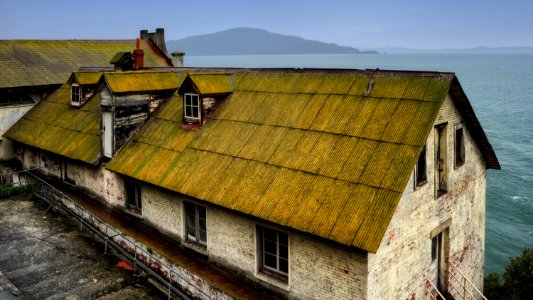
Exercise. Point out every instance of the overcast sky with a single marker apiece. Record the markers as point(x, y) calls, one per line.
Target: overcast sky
point(421, 24)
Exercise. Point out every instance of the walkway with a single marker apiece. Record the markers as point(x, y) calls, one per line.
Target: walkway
point(46, 256)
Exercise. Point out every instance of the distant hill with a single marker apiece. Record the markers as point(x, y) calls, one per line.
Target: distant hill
point(477, 50)
point(250, 41)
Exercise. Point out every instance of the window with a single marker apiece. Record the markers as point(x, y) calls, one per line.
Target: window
point(195, 219)
point(192, 106)
point(274, 251)
point(420, 169)
point(44, 161)
point(75, 97)
point(459, 146)
point(441, 162)
point(133, 196)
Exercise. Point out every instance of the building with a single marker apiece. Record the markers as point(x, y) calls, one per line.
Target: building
point(308, 183)
point(32, 69)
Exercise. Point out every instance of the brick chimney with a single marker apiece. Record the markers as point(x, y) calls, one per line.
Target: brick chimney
point(177, 58)
point(138, 56)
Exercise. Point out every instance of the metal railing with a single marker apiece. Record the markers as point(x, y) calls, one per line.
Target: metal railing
point(460, 286)
point(112, 237)
point(433, 292)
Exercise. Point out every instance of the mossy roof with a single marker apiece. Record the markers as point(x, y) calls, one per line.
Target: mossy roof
point(212, 83)
point(318, 152)
point(143, 81)
point(47, 62)
point(55, 126)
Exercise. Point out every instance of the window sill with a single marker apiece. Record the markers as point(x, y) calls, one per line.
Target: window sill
point(441, 193)
point(134, 212)
point(273, 278)
point(202, 249)
point(420, 184)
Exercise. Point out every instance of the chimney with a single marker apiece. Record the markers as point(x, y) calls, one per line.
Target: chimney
point(177, 59)
point(144, 34)
point(138, 56)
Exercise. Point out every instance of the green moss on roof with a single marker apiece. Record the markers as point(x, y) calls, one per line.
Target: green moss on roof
point(143, 81)
point(53, 125)
point(311, 151)
point(45, 62)
point(213, 83)
point(86, 77)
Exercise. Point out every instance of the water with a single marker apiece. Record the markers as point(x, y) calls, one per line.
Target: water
point(500, 88)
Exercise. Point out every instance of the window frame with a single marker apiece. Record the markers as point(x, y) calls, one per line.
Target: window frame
point(421, 181)
point(196, 211)
point(136, 204)
point(197, 108)
point(459, 146)
point(263, 267)
point(75, 101)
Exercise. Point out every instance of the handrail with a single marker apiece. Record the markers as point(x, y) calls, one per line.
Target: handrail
point(466, 284)
point(434, 289)
point(108, 238)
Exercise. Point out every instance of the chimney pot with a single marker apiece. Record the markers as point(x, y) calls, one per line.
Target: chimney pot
point(144, 34)
point(177, 59)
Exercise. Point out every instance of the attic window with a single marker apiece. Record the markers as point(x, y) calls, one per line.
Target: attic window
point(192, 107)
point(75, 97)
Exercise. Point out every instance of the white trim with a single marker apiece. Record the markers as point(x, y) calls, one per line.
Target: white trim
point(198, 107)
point(78, 102)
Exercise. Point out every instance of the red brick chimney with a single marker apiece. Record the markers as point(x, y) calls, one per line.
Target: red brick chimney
point(138, 56)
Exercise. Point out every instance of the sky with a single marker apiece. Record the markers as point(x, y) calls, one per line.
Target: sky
point(417, 24)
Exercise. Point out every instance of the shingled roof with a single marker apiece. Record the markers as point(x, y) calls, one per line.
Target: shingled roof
point(323, 152)
point(51, 62)
point(328, 152)
point(57, 127)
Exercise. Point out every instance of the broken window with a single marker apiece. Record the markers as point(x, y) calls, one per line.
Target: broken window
point(192, 107)
point(75, 96)
point(133, 196)
point(420, 169)
point(459, 146)
point(274, 251)
point(195, 219)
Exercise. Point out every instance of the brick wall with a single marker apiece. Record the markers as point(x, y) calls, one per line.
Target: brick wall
point(317, 269)
point(398, 268)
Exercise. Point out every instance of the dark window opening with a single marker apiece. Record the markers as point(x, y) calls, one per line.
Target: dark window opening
point(195, 219)
point(441, 162)
point(133, 196)
point(274, 251)
point(420, 169)
point(459, 146)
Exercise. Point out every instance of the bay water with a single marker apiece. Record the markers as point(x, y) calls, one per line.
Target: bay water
point(499, 87)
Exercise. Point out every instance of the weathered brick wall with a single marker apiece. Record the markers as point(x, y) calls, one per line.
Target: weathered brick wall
point(104, 184)
point(163, 210)
point(398, 269)
point(318, 270)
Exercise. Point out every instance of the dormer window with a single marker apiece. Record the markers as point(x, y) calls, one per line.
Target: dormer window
point(192, 108)
point(75, 97)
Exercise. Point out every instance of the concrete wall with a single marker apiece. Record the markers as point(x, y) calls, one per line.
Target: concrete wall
point(317, 269)
point(398, 269)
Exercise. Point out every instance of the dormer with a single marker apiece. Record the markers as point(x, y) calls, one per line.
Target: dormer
point(82, 87)
point(202, 94)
